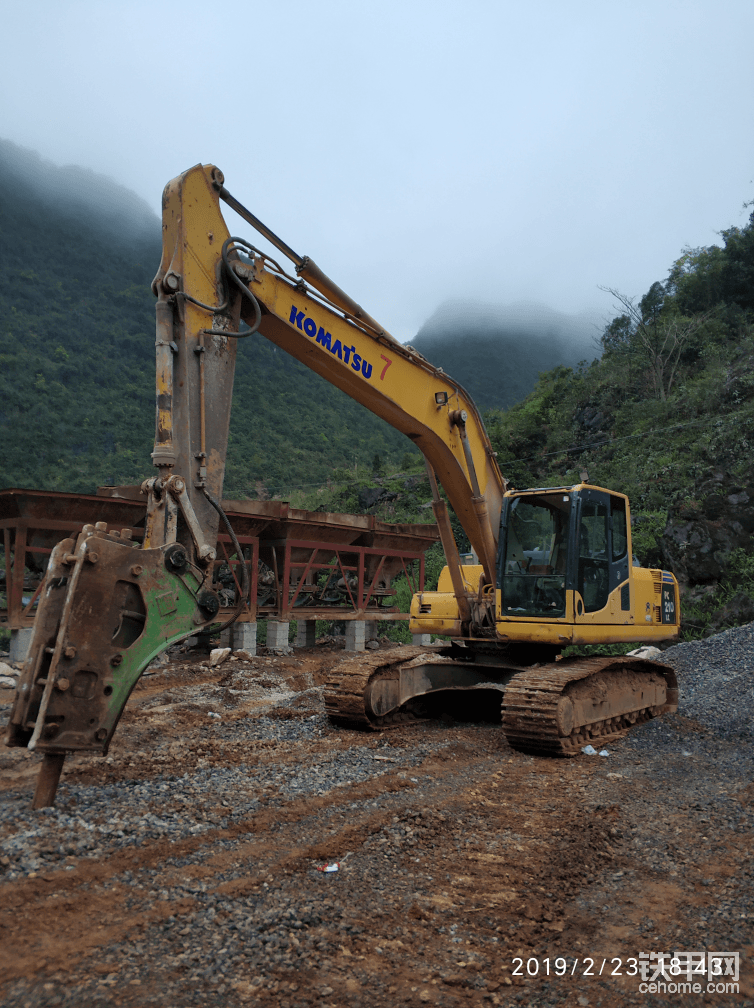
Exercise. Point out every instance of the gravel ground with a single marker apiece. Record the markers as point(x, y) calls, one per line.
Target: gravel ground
point(717, 675)
point(185, 869)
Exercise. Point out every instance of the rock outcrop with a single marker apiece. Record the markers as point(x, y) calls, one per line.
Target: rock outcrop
point(699, 539)
point(701, 534)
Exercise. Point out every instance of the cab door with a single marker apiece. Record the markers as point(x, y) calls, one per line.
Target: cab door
point(602, 586)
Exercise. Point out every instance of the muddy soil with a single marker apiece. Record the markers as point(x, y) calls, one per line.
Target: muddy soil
point(186, 868)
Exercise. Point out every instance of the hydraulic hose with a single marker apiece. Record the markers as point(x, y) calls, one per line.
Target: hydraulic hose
point(240, 284)
point(244, 572)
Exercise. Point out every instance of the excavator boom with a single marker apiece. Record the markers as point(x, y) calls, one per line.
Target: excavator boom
point(311, 318)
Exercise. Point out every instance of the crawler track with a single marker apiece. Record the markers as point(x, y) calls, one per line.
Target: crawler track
point(533, 698)
point(538, 703)
point(345, 691)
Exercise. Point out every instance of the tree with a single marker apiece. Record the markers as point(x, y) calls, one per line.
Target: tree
point(738, 268)
point(655, 331)
point(695, 279)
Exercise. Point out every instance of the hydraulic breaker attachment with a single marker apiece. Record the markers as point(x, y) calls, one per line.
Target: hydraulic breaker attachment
point(108, 608)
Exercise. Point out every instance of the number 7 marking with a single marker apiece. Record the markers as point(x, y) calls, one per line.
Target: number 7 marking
point(387, 365)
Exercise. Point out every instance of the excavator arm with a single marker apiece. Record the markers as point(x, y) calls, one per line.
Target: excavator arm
point(109, 605)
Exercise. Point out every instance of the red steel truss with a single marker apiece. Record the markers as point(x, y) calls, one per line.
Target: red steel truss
point(302, 564)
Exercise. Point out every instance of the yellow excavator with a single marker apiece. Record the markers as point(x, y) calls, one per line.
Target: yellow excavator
point(550, 567)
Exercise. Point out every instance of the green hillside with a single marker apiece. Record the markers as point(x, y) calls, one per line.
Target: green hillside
point(77, 256)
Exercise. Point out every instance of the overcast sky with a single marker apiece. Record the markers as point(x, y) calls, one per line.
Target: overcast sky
point(418, 151)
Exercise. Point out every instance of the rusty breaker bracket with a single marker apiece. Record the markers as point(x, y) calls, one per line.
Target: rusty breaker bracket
point(164, 497)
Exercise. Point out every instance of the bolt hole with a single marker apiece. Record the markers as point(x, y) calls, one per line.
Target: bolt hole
point(108, 690)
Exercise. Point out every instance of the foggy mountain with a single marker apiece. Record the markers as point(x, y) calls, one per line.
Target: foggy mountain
point(76, 195)
point(496, 352)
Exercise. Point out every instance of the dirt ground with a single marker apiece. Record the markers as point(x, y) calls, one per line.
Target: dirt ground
point(185, 869)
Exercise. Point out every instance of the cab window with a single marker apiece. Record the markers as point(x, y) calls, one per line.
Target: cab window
point(620, 537)
point(593, 556)
point(534, 567)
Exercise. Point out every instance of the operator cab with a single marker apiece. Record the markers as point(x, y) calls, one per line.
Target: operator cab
point(562, 539)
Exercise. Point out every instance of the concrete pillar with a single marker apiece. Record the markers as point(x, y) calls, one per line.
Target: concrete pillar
point(306, 635)
point(19, 644)
point(277, 634)
point(355, 635)
point(225, 637)
point(371, 629)
point(421, 639)
point(244, 635)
